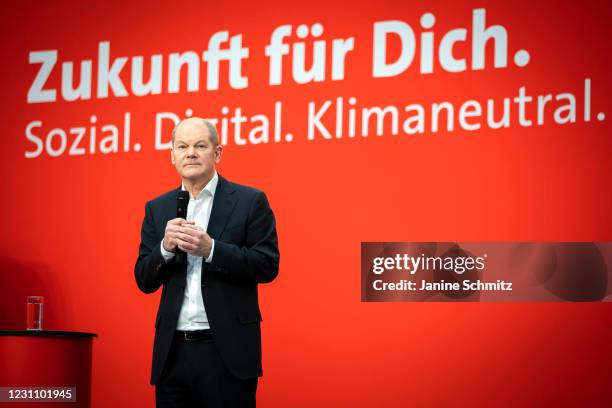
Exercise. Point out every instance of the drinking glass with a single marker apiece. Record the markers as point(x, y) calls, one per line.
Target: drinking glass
point(35, 313)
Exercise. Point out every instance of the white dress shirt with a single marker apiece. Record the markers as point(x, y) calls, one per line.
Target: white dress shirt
point(193, 315)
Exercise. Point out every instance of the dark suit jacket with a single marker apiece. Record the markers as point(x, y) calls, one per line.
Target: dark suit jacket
point(246, 253)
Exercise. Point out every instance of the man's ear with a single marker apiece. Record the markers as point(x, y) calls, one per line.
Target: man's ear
point(218, 153)
point(172, 156)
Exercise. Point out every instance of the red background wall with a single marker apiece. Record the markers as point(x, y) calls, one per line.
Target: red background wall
point(70, 225)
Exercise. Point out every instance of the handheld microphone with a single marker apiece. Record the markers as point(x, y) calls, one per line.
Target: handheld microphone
point(181, 212)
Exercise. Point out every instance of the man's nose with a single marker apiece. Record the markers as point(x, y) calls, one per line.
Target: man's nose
point(191, 151)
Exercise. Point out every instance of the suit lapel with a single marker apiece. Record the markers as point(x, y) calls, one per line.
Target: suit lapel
point(169, 207)
point(168, 212)
point(223, 205)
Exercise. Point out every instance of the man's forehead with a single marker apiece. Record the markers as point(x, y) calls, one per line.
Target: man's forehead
point(192, 132)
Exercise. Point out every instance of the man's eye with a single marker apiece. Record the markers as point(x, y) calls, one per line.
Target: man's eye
point(182, 147)
point(201, 147)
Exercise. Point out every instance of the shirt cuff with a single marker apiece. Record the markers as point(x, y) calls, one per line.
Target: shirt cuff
point(166, 254)
point(212, 249)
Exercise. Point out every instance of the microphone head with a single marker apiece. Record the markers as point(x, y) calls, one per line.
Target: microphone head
point(183, 195)
point(182, 200)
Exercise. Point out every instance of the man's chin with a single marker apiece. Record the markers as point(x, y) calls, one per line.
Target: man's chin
point(194, 173)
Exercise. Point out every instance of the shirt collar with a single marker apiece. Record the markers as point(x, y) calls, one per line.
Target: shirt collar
point(211, 187)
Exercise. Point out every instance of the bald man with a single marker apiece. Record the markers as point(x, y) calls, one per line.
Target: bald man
point(207, 347)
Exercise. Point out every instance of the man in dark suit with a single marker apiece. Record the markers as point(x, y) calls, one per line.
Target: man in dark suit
point(207, 348)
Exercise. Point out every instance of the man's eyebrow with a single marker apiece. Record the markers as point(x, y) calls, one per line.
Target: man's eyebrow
point(197, 141)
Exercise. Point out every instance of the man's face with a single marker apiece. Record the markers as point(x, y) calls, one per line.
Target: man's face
point(193, 154)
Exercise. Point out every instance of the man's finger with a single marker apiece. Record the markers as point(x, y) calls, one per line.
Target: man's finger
point(193, 227)
point(193, 231)
point(173, 228)
point(187, 238)
point(185, 246)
